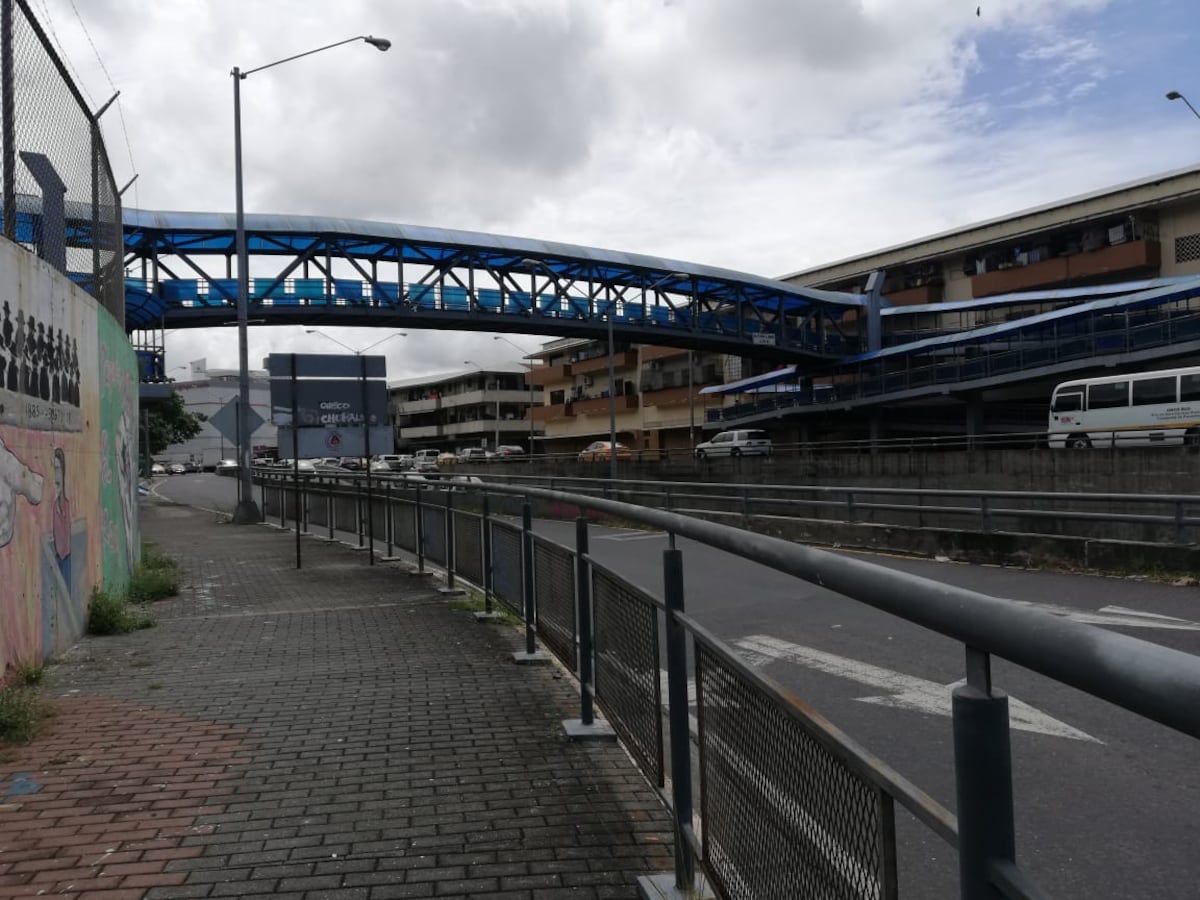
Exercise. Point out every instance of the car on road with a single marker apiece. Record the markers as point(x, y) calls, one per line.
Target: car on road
point(426, 459)
point(602, 451)
point(392, 462)
point(743, 442)
point(227, 467)
point(447, 459)
point(158, 469)
point(176, 469)
point(510, 451)
point(474, 455)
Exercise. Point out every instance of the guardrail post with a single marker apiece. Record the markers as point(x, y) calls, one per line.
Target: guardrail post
point(851, 511)
point(262, 498)
point(329, 508)
point(983, 778)
point(1179, 521)
point(304, 506)
point(358, 513)
point(585, 727)
point(489, 614)
point(531, 654)
point(448, 532)
point(677, 712)
point(985, 513)
point(420, 528)
point(389, 525)
point(282, 506)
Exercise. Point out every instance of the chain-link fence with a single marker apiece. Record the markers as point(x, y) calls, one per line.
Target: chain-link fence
point(59, 197)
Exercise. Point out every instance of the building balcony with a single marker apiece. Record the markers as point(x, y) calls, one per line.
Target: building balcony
point(544, 375)
point(1143, 256)
point(649, 353)
point(926, 293)
point(412, 407)
point(550, 412)
point(673, 396)
point(596, 405)
point(600, 363)
point(419, 432)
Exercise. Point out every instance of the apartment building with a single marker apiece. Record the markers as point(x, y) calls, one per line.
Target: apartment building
point(471, 407)
point(657, 403)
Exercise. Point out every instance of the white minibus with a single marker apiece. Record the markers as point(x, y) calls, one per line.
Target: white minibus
point(1134, 410)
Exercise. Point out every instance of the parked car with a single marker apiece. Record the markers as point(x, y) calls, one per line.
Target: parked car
point(227, 467)
point(744, 442)
point(176, 469)
point(158, 469)
point(474, 454)
point(395, 462)
point(602, 451)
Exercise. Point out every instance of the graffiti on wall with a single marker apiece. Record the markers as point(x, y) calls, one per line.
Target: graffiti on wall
point(62, 417)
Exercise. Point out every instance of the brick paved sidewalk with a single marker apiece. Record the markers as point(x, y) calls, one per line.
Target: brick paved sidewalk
point(339, 732)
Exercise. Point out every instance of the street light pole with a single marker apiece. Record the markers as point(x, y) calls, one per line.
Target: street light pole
point(247, 511)
point(1175, 95)
point(612, 401)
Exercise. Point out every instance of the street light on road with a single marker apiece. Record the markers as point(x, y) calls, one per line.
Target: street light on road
point(247, 510)
point(528, 378)
point(394, 334)
point(1175, 95)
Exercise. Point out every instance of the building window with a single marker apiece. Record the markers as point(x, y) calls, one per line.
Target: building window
point(1187, 248)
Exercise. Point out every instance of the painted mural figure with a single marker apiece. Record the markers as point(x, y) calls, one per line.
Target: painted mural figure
point(62, 516)
point(16, 480)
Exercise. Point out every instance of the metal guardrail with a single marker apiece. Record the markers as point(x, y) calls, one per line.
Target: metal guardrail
point(790, 805)
point(1172, 519)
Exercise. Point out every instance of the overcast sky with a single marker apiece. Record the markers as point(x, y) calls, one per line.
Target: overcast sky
point(762, 135)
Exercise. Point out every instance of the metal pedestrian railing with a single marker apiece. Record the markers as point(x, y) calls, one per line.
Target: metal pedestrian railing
point(789, 805)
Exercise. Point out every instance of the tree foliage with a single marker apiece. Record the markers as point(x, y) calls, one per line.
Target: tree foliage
point(167, 422)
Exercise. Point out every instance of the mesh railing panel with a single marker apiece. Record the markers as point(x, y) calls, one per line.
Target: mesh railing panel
point(433, 521)
point(404, 525)
point(53, 128)
point(554, 599)
point(318, 510)
point(506, 566)
point(783, 816)
point(345, 513)
point(468, 547)
point(626, 670)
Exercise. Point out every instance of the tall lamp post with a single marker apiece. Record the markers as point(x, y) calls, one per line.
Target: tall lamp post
point(529, 379)
point(247, 509)
point(1175, 95)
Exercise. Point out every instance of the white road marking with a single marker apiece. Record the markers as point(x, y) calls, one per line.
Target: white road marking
point(1117, 616)
point(904, 691)
point(634, 536)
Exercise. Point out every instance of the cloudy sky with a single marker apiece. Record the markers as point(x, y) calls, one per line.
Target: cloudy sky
point(762, 135)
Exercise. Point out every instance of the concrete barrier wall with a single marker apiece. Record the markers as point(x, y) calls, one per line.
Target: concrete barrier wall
point(68, 457)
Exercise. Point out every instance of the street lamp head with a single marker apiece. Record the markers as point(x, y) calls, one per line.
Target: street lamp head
point(380, 44)
point(1174, 95)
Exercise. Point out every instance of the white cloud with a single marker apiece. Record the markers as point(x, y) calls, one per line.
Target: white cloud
point(768, 135)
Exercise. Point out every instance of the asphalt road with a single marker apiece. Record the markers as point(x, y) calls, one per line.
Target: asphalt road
point(1105, 802)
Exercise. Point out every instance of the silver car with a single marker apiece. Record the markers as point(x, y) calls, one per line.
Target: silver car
point(743, 442)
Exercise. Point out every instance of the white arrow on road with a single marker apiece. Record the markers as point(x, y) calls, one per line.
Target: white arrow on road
point(1118, 616)
point(903, 691)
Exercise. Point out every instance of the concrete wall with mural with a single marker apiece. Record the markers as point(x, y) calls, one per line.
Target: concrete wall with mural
point(68, 456)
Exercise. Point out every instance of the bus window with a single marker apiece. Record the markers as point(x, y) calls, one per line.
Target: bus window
point(1072, 402)
point(1189, 387)
point(1154, 390)
point(1108, 395)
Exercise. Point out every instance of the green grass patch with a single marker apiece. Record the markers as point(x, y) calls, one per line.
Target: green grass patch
point(22, 711)
point(29, 673)
point(155, 578)
point(110, 613)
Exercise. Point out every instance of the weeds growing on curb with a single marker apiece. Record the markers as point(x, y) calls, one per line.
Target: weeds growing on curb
point(28, 673)
point(110, 614)
point(155, 578)
point(21, 712)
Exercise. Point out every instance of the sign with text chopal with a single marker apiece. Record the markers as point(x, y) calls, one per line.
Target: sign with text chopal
point(336, 404)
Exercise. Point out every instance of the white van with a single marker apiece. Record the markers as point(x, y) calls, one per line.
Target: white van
point(426, 459)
